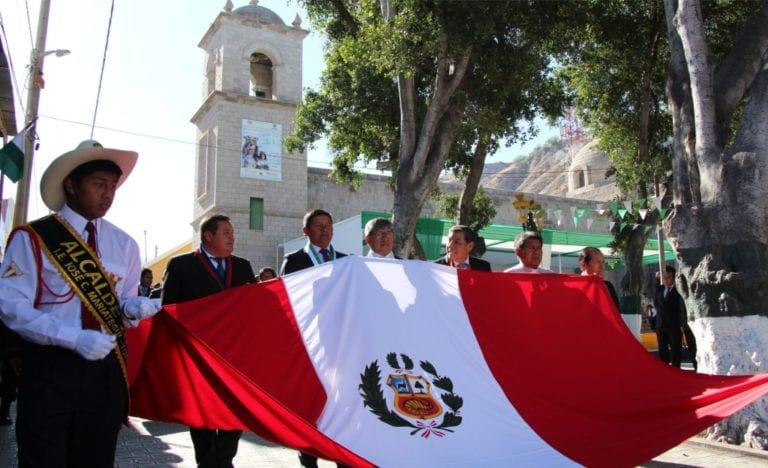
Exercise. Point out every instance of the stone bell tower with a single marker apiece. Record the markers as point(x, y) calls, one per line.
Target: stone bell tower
point(251, 88)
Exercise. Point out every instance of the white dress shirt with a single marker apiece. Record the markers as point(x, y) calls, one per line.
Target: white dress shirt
point(520, 268)
point(373, 254)
point(56, 320)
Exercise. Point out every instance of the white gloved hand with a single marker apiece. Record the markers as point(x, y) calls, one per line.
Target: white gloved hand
point(140, 307)
point(94, 345)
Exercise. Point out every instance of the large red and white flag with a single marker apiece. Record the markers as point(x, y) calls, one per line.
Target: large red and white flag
point(408, 363)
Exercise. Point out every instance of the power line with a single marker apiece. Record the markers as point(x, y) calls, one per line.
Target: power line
point(157, 137)
point(103, 65)
point(29, 25)
point(509, 176)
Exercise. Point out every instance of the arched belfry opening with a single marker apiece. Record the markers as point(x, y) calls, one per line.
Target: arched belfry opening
point(581, 180)
point(261, 76)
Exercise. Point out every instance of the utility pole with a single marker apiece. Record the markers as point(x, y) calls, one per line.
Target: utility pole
point(145, 246)
point(33, 101)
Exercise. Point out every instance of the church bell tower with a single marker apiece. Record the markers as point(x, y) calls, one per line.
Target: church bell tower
point(251, 89)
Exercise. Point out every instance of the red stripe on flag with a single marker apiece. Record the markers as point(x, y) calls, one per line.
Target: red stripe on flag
point(580, 379)
point(247, 371)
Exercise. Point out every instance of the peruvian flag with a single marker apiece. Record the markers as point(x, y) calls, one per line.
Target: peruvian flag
point(408, 363)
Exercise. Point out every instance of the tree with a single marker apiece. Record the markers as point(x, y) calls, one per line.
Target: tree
point(718, 97)
point(477, 216)
point(412, 83)
point(617, 84)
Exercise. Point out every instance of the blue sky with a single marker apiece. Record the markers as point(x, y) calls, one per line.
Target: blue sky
point(151, 87)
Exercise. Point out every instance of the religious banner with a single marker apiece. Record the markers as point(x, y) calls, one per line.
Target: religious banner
point(261, 154)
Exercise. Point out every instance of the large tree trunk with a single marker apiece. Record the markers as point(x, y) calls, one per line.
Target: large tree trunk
point(719, 224)
point(473, 178)
point(424, 149)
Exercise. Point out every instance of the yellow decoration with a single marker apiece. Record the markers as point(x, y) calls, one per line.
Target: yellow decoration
point(523, 206)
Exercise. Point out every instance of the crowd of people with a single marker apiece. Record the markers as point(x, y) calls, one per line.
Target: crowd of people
point(72, 282)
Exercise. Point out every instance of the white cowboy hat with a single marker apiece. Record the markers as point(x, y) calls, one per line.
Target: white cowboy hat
point(52, 182)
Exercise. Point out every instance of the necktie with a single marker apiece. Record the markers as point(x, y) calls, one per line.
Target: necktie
point(220, 269)
point(463, 266)
point(326, 255)
point(87, 319)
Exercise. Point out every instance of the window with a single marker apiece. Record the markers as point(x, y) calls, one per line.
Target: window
point(581, 182)
point(257, 214)
point(261, 76)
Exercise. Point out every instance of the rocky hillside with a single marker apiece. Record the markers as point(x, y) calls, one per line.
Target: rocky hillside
point(543, 171)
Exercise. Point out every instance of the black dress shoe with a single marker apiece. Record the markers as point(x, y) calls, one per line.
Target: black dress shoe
point(6, 421)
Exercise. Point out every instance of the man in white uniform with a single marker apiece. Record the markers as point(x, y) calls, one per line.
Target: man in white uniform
point(68, 287)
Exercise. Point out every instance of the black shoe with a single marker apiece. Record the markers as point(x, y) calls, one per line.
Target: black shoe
point(307, 460)
point(6, 421)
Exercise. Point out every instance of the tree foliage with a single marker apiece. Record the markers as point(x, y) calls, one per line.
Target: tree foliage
point(617, 84)
point(419, 86)
point(481, 215)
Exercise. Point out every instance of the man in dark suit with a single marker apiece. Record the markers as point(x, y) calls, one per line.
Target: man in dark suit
point(318, 227)
point(210, 269)
point(461, 241)
point(670, 316)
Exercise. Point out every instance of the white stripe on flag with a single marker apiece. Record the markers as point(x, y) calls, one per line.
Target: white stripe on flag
point(412, 309)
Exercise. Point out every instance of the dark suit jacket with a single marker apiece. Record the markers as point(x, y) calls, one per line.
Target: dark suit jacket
point(299, 260)
point(474, 263)
point(670, 311)
point(612, 292)
point(191, 276)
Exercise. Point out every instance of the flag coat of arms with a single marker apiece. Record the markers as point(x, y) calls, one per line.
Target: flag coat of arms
point(376, 362)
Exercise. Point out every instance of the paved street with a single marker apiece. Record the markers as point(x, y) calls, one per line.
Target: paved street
point(155, 444)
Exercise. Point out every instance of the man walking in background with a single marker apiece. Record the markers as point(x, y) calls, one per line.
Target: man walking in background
point(380, 237)
point(318, 227)
point(145, 283)
point(670, 315)
point(210, 269)
point(461, 241)
point(529, 248)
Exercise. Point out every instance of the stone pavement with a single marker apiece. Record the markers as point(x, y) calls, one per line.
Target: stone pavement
point(156, 444)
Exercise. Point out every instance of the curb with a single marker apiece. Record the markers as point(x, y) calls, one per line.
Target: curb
point(728, 448)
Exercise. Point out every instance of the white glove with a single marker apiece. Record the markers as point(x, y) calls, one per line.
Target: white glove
point(94, 345)
point(140, 307)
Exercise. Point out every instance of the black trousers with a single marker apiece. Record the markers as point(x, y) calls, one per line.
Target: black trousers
point(310, 461)
point(670, 345)
point(214, 448)
point(69, 409)
point(9, 382)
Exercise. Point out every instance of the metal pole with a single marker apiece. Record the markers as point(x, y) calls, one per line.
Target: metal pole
point(145, 246)
point(662, 260)
point(33, 101)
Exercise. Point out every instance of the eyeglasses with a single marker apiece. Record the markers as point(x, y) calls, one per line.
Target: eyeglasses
point(532, 248)
point(383, 234)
